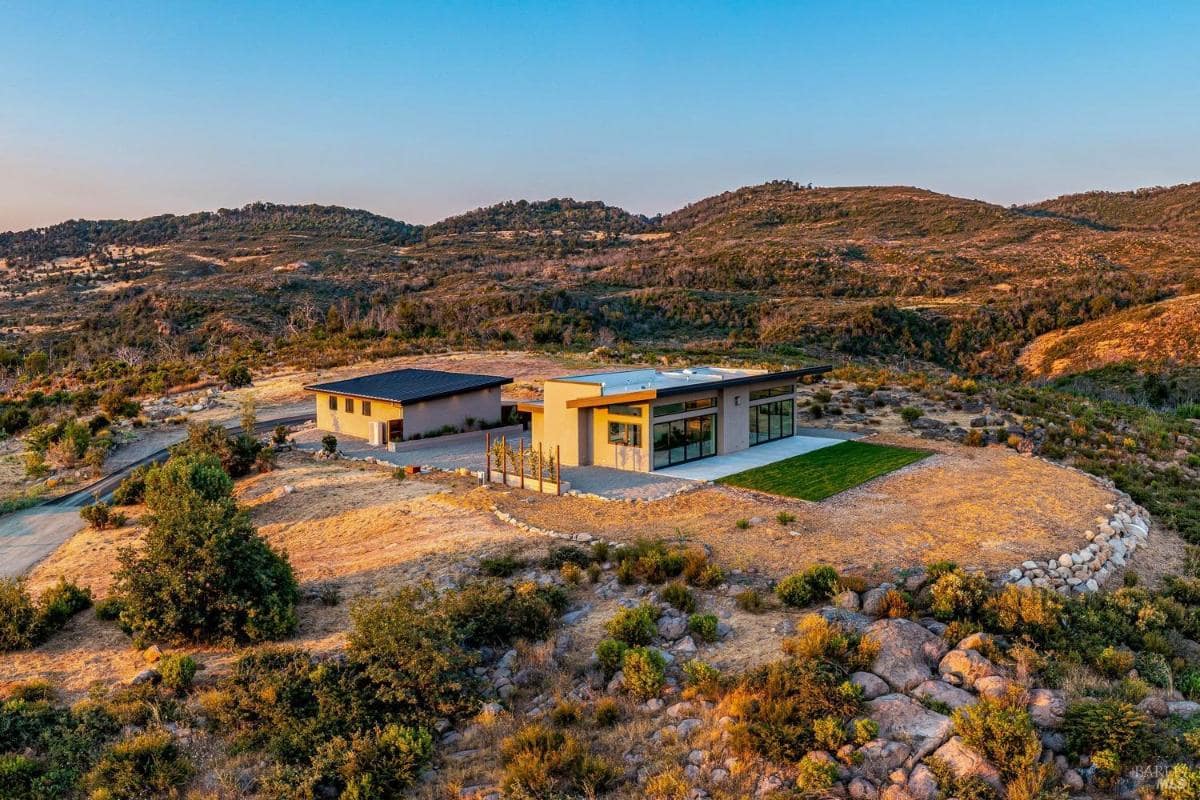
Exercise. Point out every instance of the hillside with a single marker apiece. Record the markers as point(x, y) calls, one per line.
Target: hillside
point(893, 272)
point(1165, 332)
point(1162, 208)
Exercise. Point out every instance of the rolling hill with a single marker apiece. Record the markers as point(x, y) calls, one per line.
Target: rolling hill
point(893, 272)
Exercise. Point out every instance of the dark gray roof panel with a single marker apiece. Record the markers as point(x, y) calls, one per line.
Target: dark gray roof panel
point(410, 385)
point(747, 380)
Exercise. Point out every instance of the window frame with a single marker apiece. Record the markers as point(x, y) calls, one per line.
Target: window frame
point(333, 403)
point(365, 406)
point(348, 405)
point(625, 434)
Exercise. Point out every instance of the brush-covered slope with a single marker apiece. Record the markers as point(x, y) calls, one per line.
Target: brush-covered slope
point(1167, 332)
point(1169, 208)
point(555, 216)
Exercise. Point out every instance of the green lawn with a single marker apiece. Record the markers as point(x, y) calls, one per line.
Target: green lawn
point(825, 472)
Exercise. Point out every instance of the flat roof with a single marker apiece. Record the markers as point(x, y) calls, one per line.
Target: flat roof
point(409, 385)
point(680, 381)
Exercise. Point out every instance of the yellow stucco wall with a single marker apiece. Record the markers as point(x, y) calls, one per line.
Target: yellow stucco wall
point(355, 423)
point(619, 456)
point(560, 425)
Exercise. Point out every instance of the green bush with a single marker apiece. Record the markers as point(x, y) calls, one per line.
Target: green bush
point(643, 669)
point(680, 596)
point(814, 778)
point(100, 515)
point(491, 612)
point(132, 490)
point(1030, 610)
point(542, 762)
point(1115, 661)
point(704, 677)
point(1001, 730)
point(750, 600)
point(911, 414)
point(703, 626)
point(500, 566)
point(609, 654)
point(1153, 668)
point(329, 443)
point(177, 671)
point(18, 616)
point(567, 554)
point(372, 765)
point(203, 573)
point(1188, 684)
point(649, 561)
point(813, 585)
point(1113, 725)
point(147, 765)
point(634, 625)
point(958, 595)
point(414, 655)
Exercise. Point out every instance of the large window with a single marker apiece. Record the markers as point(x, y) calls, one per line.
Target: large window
point(684, 440)
point(625, 433)
point(776, 391)
point(771, 421)
point(678, 408)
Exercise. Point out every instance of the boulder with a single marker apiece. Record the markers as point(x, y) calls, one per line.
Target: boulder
point(921, 783)
point(993, 686)
point(672, 628)
point(966, 763)
point(968, 665)
point(847, 600)
point(872, 685)
point(872, 599)
point(942, 692)
point(878, 757)
point(850, 620)
point(902, 718)
point(1183, 708)
point(862, 789)
point(907, 652)
point(1048, 707)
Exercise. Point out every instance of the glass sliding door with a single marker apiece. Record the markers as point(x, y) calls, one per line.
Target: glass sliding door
point(771, 421)
point(683, 440)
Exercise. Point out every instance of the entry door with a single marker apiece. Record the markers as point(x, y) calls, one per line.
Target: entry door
point(396, 430)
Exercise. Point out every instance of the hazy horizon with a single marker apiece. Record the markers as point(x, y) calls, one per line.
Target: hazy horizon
point(420, 112)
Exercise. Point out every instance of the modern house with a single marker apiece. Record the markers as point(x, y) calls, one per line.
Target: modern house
point(648, 419)
point(407, 403)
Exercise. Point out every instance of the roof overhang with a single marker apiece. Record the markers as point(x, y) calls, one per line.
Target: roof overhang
point(747, 380)
point(531, 408)
point(612, 399)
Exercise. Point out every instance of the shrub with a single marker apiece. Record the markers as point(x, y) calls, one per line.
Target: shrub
point(1093, 726)
point(1002, 731)
point(650, 561)
point(607, 712)
point(1115, 661)
point(703, 677)
point(742, 524)
point(1153, 668)
point(567, 554)
point(279, 436)
point(58, 604)
point(975, 438)
point(634, 625)
point(146, 765)
point(750, 600)
point(203, 572)
point(785, 518)
point(911, 414)
point(894, 604)
point(643, 668)
point(571, 573)
point(237, 375)
point(815, 777)
point(829, 733)
point(541, 762)
point(566, 712)
point(670, 784)
point(414, 656)
point(1180, 783)
point(958, 595)
point(132, 489)
point(109, 609)
point(820, 641)
point(704, 626)
point(177, 671)
point(100, 515)
point(852, 583)
point(778, 702)
point(1031, 610)
point(679, 596)
point(329, 443)
point(813, 585)
point(609, 654)
point(864, 730)
point(500, 566)
point(600, 551)
point(379, 763)
point(1188, 684)
point(490, 612)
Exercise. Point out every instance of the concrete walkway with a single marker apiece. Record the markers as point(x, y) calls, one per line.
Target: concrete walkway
point(709, 469)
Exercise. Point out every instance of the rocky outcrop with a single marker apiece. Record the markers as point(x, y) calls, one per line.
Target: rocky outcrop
point(907, 652)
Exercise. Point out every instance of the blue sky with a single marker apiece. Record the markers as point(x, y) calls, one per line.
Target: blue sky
point(421, 110)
